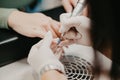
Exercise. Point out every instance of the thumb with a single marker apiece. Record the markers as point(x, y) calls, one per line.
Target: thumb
point(63, 29)
point(47, 39)
point(64, 21)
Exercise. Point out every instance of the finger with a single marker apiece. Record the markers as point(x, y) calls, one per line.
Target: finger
point(35, 47)
point(52, 31)
point(67, 24)
point(78, 36)
point(39, 32)
point(72, 34)
point(69, 35)
point(58, 52)
point(47, 39)
point(49, 27)
point(53, 47)
point(79, 21)
point(64, 22)
point(67, 5)
point(74, 2)
point(85, 23)
point(33, 50)
point(56, 27)
point(54, 44)
point(64, 17)
point(64, 29)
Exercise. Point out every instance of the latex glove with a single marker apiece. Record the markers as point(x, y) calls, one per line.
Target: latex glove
point(41, 54)
point(33, 24)
point(81, 34)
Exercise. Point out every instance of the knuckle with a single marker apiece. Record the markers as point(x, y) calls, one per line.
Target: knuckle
point(49, 18)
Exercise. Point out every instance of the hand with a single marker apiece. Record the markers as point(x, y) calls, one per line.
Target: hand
point(69, 4)
point(41, 54)
point(75, 29)
point(33, 25)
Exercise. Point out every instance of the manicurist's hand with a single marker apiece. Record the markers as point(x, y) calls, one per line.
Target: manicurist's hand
point(75, 29)
point(41, 55)
point(33, 24)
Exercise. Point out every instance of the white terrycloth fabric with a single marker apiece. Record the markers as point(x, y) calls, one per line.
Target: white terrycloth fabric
point(41, 54)
point(81, 24)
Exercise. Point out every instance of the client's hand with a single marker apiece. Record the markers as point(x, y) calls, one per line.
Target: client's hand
point(41, 55)
point(33, 24)
point(75, 29)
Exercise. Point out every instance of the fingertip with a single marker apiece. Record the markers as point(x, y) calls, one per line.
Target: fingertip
point(56, 27)
point(67, 6)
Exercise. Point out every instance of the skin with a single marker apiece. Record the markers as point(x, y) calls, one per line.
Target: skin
point(53, 75)
point(70, 4)
point(33, 24)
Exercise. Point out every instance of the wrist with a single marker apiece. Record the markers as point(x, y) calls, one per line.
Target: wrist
point(11, 18)
point(15, 18)
point(53, 75)
point(49, 67)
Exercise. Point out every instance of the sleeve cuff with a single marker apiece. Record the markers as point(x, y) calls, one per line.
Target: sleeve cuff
point(4, 14)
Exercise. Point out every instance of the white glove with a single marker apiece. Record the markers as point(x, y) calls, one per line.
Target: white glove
point(81, 32)
point(41, 54)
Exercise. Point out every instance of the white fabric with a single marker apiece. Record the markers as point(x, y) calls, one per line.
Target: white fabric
point(41, 54)
point(82, 26)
